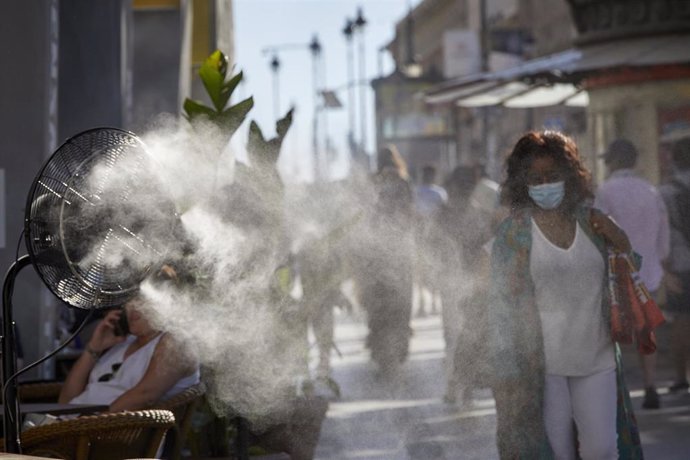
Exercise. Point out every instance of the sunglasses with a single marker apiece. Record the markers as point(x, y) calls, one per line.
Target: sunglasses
point(110, 375)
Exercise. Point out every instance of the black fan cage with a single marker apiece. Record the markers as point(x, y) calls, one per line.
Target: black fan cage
point(97, 219)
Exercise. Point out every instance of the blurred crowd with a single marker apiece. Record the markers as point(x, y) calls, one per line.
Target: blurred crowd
point(526, 279)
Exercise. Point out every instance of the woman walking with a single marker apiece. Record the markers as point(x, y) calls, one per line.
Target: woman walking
point(386, 281)
point(557, 374)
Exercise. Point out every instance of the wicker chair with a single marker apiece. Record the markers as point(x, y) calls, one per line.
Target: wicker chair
point(182, 405)
point(100, 437)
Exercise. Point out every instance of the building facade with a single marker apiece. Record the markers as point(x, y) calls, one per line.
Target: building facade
point(447, 42)
point(647, 98)
point(423, 134)
point(624, 74)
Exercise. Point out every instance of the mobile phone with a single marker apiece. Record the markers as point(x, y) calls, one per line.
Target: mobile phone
point(122, 326)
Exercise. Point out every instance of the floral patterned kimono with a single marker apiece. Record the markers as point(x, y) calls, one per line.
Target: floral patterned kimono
point(516, 347)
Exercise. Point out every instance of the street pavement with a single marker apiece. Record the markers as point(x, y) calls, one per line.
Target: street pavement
point(376, 418)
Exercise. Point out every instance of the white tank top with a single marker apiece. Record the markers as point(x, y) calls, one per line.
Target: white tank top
point(568, 286)
point(123, 374)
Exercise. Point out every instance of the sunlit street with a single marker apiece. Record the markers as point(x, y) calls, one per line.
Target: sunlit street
point(408, 419)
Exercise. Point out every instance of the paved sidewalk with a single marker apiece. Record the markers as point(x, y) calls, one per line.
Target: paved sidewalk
point(665, 432)
point(407, 420)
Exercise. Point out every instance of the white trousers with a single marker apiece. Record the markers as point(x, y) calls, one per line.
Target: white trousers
point(590, 402)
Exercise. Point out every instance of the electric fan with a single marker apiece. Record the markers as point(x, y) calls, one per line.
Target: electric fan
point(97, 219)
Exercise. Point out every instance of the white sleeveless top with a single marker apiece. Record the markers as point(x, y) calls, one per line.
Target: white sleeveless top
point(128, 372)
point(568, 287)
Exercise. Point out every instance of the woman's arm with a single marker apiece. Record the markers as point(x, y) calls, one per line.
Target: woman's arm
point(102, 339)
point(166, 368)
point(612, 233)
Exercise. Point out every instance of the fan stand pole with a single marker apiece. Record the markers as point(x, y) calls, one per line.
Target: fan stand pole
point(11, 412)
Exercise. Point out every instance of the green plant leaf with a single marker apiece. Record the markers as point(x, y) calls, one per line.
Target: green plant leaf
point(195, 109)
point(266, 152)
point(232, 117)
point(255, 134)
point(228, 88)
point(255, 144)
point(284, 123)
point(212, 73)
point(272, 150)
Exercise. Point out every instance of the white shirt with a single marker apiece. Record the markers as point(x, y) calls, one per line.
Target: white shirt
point(429, 199)
point(639, 209)
point(568, 289)
point(127, 374)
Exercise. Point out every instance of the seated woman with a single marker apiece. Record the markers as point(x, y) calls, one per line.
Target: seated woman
point(129, 372)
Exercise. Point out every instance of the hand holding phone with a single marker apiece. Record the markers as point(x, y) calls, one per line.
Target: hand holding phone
point(122, 326)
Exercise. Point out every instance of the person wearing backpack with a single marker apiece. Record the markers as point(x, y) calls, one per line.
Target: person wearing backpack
point(676, 194)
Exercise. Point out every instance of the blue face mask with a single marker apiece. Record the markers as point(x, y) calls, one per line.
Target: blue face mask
point(547, 196)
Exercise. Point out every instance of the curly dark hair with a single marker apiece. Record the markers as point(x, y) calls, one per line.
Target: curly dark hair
point(554, 144)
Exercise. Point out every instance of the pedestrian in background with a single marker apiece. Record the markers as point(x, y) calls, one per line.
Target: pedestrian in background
point(429, 197)
point(637, 206)
point(386, 278)
point(555, 365)
point(429, 200)
point(677, 197)
point(462, 264)
point(321, 273)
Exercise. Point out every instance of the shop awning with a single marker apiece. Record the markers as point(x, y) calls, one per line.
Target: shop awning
point(542, 96)
point(461, 91)
point(495, 95)
point(555, 79)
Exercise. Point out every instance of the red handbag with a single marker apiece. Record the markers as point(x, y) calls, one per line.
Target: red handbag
point(634, 314)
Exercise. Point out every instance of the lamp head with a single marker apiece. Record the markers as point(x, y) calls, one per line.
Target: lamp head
point(360, 21)
point(275, 63)
point(315, 45)
point(348, 29)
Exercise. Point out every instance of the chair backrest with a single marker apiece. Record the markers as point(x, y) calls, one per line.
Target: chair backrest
point(182, 405)
point(111, 436)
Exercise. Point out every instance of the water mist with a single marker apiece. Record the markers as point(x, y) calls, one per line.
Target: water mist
point(237, 225)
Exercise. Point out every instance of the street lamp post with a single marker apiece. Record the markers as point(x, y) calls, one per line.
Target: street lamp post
point(485, 48)
point(359, 24)
point(348, 31)
point(315, 48)
point(275, 67)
